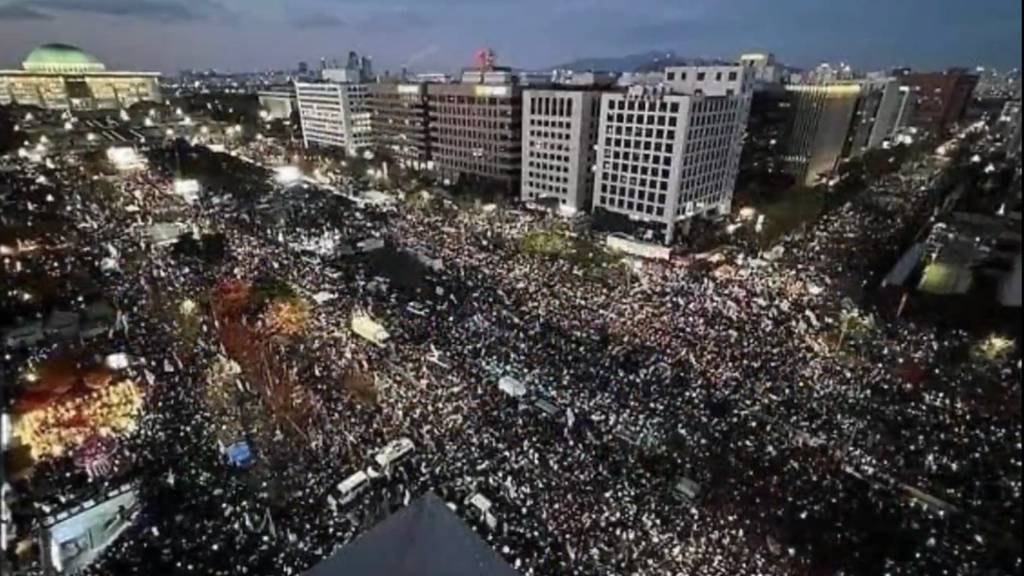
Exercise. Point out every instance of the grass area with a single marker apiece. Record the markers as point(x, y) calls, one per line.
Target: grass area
point(547, 243)
point(595, 261)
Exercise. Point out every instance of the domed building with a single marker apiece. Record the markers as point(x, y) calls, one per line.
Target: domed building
point(63, 77)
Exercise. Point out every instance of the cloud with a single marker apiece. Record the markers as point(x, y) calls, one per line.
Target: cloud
point(317, 20)
point(156, 10)
point(20, 12)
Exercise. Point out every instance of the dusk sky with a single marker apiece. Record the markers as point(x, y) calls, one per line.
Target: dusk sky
point(169, 35)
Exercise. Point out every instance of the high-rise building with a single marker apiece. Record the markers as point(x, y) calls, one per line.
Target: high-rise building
point(400, 119)
point(876, 116)
point(669, 153)
point(62, 77)
point(559, 136)
point(334, 115)
point(475, 128)
point(822, 117)
point(303, 67)
point(769, 123)
point(942, 98)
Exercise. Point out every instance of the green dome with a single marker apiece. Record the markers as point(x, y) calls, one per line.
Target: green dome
point(61, 58)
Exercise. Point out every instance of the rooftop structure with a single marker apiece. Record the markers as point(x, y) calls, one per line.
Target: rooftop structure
point(425, 539)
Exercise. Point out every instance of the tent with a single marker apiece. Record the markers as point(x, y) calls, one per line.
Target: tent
point(424, 539)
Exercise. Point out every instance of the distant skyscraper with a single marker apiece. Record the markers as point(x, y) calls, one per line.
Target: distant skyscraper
point(303, 67)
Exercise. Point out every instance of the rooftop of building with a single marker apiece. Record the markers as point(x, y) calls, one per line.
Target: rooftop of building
point(424, 539)
point(65, 59)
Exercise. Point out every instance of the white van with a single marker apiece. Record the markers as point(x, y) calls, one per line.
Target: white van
point(350, 488)
point(394, 452)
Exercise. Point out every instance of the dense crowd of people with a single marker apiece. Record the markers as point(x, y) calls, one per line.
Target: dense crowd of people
point(815, 453)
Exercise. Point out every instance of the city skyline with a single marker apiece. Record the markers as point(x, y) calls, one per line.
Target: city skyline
point(169, 35)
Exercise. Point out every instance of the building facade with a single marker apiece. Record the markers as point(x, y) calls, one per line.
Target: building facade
point(822, 118)
point(668, 154)
point(475, 131)
point(400, 120)
point(769, 123)
point(942, 98)
point(335, 115)
point(278, 104)
point(876, 116)
point(559, 137)
point(62, 77)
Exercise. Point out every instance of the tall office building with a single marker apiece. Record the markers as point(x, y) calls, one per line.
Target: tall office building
point(334, 115)
point(475, 127)
point(875, 118)
point(770, 120)
point(942, 98)
point(668, 153)
point(559, 136)
point(400, 119)
point(822, 117)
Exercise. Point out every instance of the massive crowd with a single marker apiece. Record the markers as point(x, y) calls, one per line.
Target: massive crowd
point(816, 455)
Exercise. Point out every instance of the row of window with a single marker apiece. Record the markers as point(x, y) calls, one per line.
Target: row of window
point(634, 105)
point(478, 111)
point(539, 134)
point(623, 204)
point(635, 182)
point(701, 76)
point(549, 178)
point(549, 168)
point(551, 106)
point(637, 132)
point(633, 144)
point(536, 144)
point(631, 120)
point(463, 134)
point(546, 123)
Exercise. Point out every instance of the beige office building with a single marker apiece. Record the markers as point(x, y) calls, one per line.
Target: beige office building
point(475, 128)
